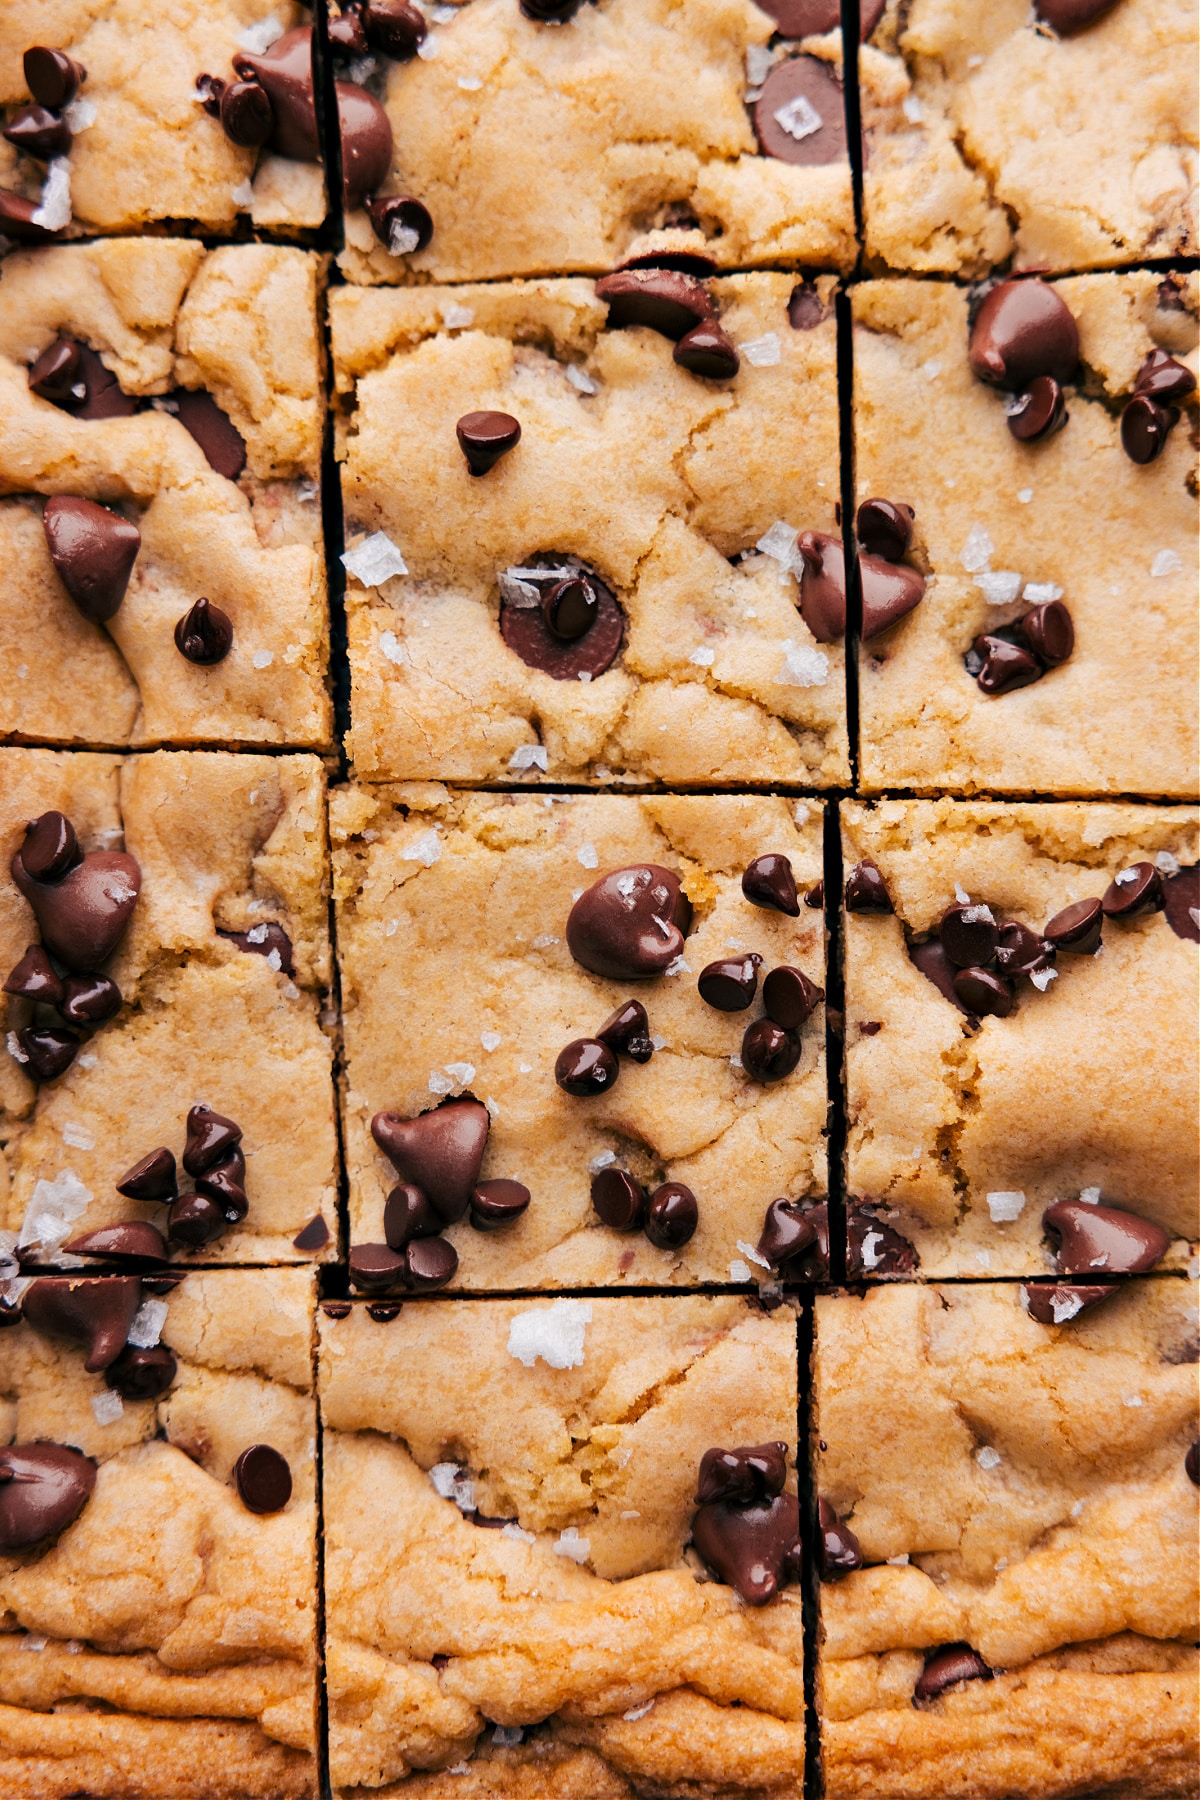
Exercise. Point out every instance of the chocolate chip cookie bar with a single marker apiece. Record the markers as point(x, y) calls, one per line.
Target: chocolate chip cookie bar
point(1008, 1546)
point(1042, 657)
point(160, 442)
point(158, 1536)
point(1062, 135)
point(574, 550)
point(165, 959)
point(584, 1036)
point(1020, 1032)
point(572, 1569)
point(552, 137)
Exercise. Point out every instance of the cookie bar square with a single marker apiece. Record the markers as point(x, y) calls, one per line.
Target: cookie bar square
point(679, 495)
point(158, 1538)
point(998, 535)
point(511, 1604)
point(160, 443)
point(536, 146)
point(462, 925)
point(175, 956)
point(123, 141)
point(1062, 136)
point(1013, 1506)
point(1020, 1023)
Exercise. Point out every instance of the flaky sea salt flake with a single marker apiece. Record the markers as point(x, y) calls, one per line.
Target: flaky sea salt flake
point(517, 1534)
point(703, 657)
point(148, 1322)
point(762, 352)
point(555, 1333)
point(78, 1136)
point(639, 1712)
point(588, 856)
point(54, 213)
point(529, 756)
point(977, 552)
point(752, 1255)
point(1166, 563)
point(463, 1073)
point(799, 118)
point(1040, 593)
point(375, 560)
point(569, 1544)
point(391, 646)
point(453, 1483)
point(1001, 587)
point(987, 1458)
point(912, 109)
point(456, 316)
point(79, 115)
point(580, 380)
point(802, 666)
point(424, 849)
point(740, 1271)
point(1006, 1205)
point(1090, 1196)
point(243, 194)
point(107, 1406)
point(1041, 978)
point(258, 38)
point(491, 1040)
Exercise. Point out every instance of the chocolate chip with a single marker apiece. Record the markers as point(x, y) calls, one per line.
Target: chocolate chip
point(815, 897)
point(570, 607)
point(755, 1549)
point(10, 1314)
point(813, 18)
point(285, 71)
point(1102, 1240)
point(769, 882)
point(671, 1216)
point(1164, 379)
point(336, 1309)
point(549, 12)
point(790, 997)
point(245, 113)
point(204, 635)
point(142, 1374)
point(393, 28)
point(407, 1214)
point(1037, 413)
point(1004, 666)
point(1068, 16)
point(630, 925)
point(1020, 951)
point(50, 848)
point(397, 220)
point(884, 528)
point(528, 635)
point(946, 1667)
point(38, 132)
point(799, 116)
point(498, 1203)
point(1057, 1302)
point(889, 593)
point(55, 372)
point(1049, 631)
point(685, 262)
point(1191, 1463)
point(619, 1201)
point(346, 37)
point(838, 1550)
point(769, 1053)
point(865, 890)
point(730, 984)
point(313, 1236)
point(627, 1031)
point(873, 1247)
point(787, 1232)
point(160, 1284)
point(1022, 330)
point(1076, 929)
point(375, 1267)
point(707, 350)
point(195, 1220)
point(153, 1178)
point(823, 585)
point(440, 1152)
point(93, 550)
point(384, 1311)
point(366, 134)
point(225, 1183)
point(430, 1263)
point(52, 77)
point(89, 999)
point(966, 938)
point(49, 1052)
point(18, 220)
point(43, 1489)
point(34, 978)
point(223, 445)
point(263, 1479)
point(102, 394)
point(93, 1311)
point(744, 1476)
point(83, 914)
point(1145, 428)
point(1136, 891)
point(983, 994)
point(585, 1067)
point(134, 1242)
point(210, 1138)
point(665, 300)
point(265, 940)
point(806, 310)
point(1181, 902)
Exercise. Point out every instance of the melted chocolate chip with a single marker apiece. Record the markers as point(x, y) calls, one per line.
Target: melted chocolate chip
point(384, 1311)
point(393, 28)
point(440, 1152)
point(49, 1052)
point(101, 398)
point(730, 984)
point(1037, 413)
point(585, 1067)
point(627, 1031)
point(823, 585)
point(799, 116)
point(684, 262)
point(93, 550)
point(838, 1550)
point(34, 978)
point(245, 114)
point(495, 1204)
point(1163, 379)
point(541, 645)
point(769, 1053)
point(790, 997)
point(889, 590)
point(83, 915)
point(570, 607)
point(1145, 427)
point(195, 1220)
point(769, 882)
point(744, 1476)
point(153, 1178)
point(399, 219)
point(931, 959)
point(38, 132)
point(43, 1489)
point(142, 1374)
point(884, 528)
point(1181, 902)
point(787, 1233)
point(210, 1138)
point(265, 940)
point(1049, 632)
point(630, 925)
point(665, 300)
point(93, 1311)
point(1076, 929)
point(17, 220)
point(806, 310)
point(984, 994)
point(865, 890)
point(619, 1201)
point(484, 437)
point(946, 1667)
point(285, 72)
point(1136, 891)
point(375, 1267)
point(813, 18)
point(55, 373)
point(134, 1242)
point(873, 1248)
point(223, 445)
point(1096, 1241)
point(225, 1183)
point(366, 133)
point(1022, 330)
point(1058, 1302)
point(707, 350)
point(1003, 666)
point(204, 635)
point(671, 1216)
point(313, 1236)
point(89, 999)
point(52, 77)
point(430, 1263)
point(263, 1479)
point(1020, 951)
point(550, 12)
point(967, 939)
point(407, 1214)
point(756, 1548)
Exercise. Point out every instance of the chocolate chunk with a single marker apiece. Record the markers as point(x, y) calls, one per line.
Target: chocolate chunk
point(50, 848)
point(134, 1242)
point(245, 113)
point(384, 1311)
point(570, 607)
point(585, 1067)
point(93, 550)
point(17, 220)
point(402, 224)
point(769, 1053)
point(823, 585)
point(865, 890)
point(787, 1232)
point(1163, 379)
point(55, 372)
point(430, 1263)
point(497, 1203)
point(1191, 1463)
point(225, 1183)
point(744, 1476)
point(204, 634)
point(873, 1248)
point(102, 395)
point(966, 938)
point(223, 445)
point(884, 528)
point(1037, 413)
point(1076, 929)
point(153, 1178)
point(527, 633)
point(1181, 902)
point(627, 1031)
point(799, 116)
point(265, 940)
point(142, 1374)
point(83, 916)
point(755, 1549)
point(393, 28)
point(1058, 1302)
point(619, 1201)
point(790, 997)
point(52, 77)
point(890, 591)
point(983, 994)
point(1022, 330)
point(195, 1220)
point(1020, 951)
point(210, 1138)
point(1134, 892)
point(1145, 427)
point(813, 18)
point(43, 1489)
point(366, 133)
point(49, 1052)
point(815, 897)
point(946, 1667)
point(1004, 666)
point(407, 1214)
point(731, 983)
point(89, 999)
point(663, 299)
point(285, 71)
point(439, 1151)
point(707, 350)
point(38, 132)
point(263, 1479)
point(1096, 1241)
point(769, 882)
point(671, 1216)
point(484, 437)
point(93, 1311)
point(313, 1236)
point(374, 1268)
point(1049, 632)
point(34, 978)
point(838, 1550)
point(630, 925)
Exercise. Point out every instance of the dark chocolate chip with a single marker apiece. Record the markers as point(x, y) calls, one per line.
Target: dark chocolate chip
point(549, 12)
point(38, 132)
point(769, 1053)
point(407, 1214)
point(49, 1052)
point(52, 77)
point(1068, 16)
point(93, 550)
point(769, 882)
point(336, 1309)
point(263, 1479)
point(570, 607)
point(1134, 892)
point(204, 635)
point(936, 966)
point(384, 1311)
point(799, 116)
point(142, 1374)
point(430, 1263)
point(585, 1067)
point(889, 592)
point(1076, 929)
point(627, 1031)
point(865, 890)
point(1164, 379)
point(88, 999)
point(43, 1489)
point(245, 113)
point(983, 994)
point(223, 445)
point(497, 1203)
point(787, 1232)
point(1049, 631)
point(823, 585)
point(619, 1200)
point(399, 218)
point(285, 71)
point(946, 1667)
point(209, 89)
point(134, 1242)
point(665, 300)
point(313, 1236)
point(1096, 1241)
point(756, 1549)
point(1004, 666)
point(813, 18)
point(1191, 1463)
point(838, 1550)
point(439, 1151)
point(744, 1476)
point(160, 1284)
point(873, 1247)
point(1020, 951)
point(17, 220)
point(685, 262)
point(1022, 330)
point(1037, 413)
point(1145, 427)
point(93, 1311)
point(195, 1220)
point(730, 984)
point(225, 1183)
point(375, 1267)
point(525, 630)
point(153, 1178)
point(790, 997)
point(366, 133)
point(630, 925)
point(346, 36)
point(707, 350)
point(393, 28)
point(484, 437)
point(34, 978)
point(210, 1138)
point(10, 1314)
point(102, 394)
point(1058, 1302)
point(265, 940)
point(815, 897)
point(1181, 902)
point(56, 372)
point(966, 938)
point(671, 1216)
point(884, 528)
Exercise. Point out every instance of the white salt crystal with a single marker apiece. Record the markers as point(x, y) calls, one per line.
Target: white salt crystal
point(529, 756)
point(14, 1048)
point(870, 1249)
point(898, 1562)
point(1125, 876)
point(703, 657)
point(455, 316)
point(243, 194)
point(802, 666)
point(758, 64)
point(429, 47)
point(799, 118)
point(961, 895)
point(931, 370)
point(543, 943)
point(439, 1083)
point(513, 1530)
point(79, 115)
point(639, 1712)
point(571, 1545)
point(999, 588)
point(587, 855)
point(516, 591)
point(462, 1072)
point(402, 239)
point(978, 915)
point(453, 1483)
point(913, 111)
point(78, 1136)
point(1131, 1400)
point(53, 1208)
point(362, 68)
point(507, 1736)
point(1194, 915)
point(1039, 593)
point(555, 1333)
point(1024, 495)
point(1165, 563)
point(740, 1271)
point(1090, 1196)
point(580, 380)
point(1076, 1509)
point(585, 675)
point(660, 1043)
point(780, 542)
point(1166, 864)
point(986, 1457)
point(31, 1640)
point(1041, 978)
point(762, 352)
point(375, 560)
point(459, 1768)
point(978, 550)
point(107, 1406)
point(470, 83)
point(605, 1160)
point(984, 1258)
point(148, 1322)
point(680, 966)
point(493, 1106)
point(752, 1255)
point(257, 934)
point(1006, 1205)
point(424, 849)
point(260, 37)
point(54, 213)
point(87, 1060)
point(974, 62)
point(735, 1061)
point(800, 813)
point(491, 1040)
point(262, 659)
point(391, 646)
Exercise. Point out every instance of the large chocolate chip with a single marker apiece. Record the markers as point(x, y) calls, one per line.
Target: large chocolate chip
point(1022, 330)
point(313, 1236)
point(969, 935)
point(671, 1216)
point(663, 299)
point(407, 1214)
point(813, 18)
point(204, 635)
point(630, 925)
point(800, 116)
point(1181, 902)
point(366, 133)
point(1133, 892)
point(983, 994)
point(528, 634)
point(50, 847)
point(223, 445)
point(1049, 631)
point(94, 1311)
point(89, 999)
point(374, 1268)
point(153, 1178)
point(865, 890)
point(619, 1200)
point(195, 1220)
point(38, 132)
point(769, 1053)
point(1076, 928)
point(484, 437)
point(570, 607)
point(707, 350)
point(430, 1263)
point(265, 940)
point(135, 1242)
point(823, 585)
point(1003, 666)
point(756, 1549)
point(225, 1182)
point(52, 77)
point(1020, 951)
point(17, 220)
point(84, 915)
point(838, 1550)
point(746, 1475)
point(787, 1232)
point(142, 1374)
point(440, 1152)
point(884, 528)
point(34, 977)
point(285, 71)
point(210, 1138)
point(43, 1489)
point(873, 1248)
point(730, 984)
point(946, 1667)
point(93, 550)
point(790, 997)
point(1100, 1240)
point(263, 1479)
point(889, 592)
point(627, 1031)
point(1037, 413)
point(1145, 427)
point(393, 28)
point(49, 1052)
point(585, 1067)
point(1057, 1302)
point(402, 224)
point(245, 114)
point(769, 882)
point(495, 1204)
